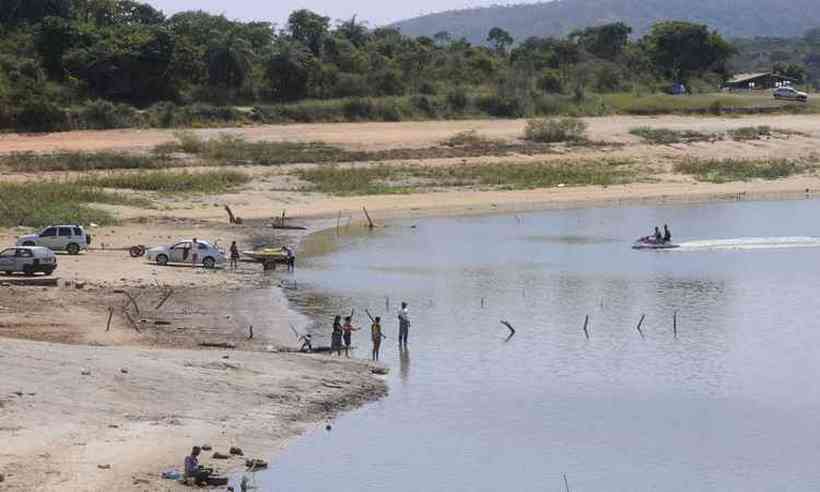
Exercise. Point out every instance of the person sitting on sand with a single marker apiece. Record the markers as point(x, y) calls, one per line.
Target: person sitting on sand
point(667, 235)
point(193, 471)
point(347, 334)
point(336, 336)
point(307, 343)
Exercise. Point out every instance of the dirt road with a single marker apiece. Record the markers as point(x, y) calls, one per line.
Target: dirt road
point(376, 136)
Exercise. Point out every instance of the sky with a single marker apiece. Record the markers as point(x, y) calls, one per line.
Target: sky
point(375, 12)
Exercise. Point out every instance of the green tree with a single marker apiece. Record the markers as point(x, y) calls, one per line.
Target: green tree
point(500, 39)
point(679, 50)
point(607, 41)
point(53, 37)
point(229, 62)
point(550, 82)
point(792, 71)
point(308, 28)
point(14, 12)
point(288, 72)
point(355, 32)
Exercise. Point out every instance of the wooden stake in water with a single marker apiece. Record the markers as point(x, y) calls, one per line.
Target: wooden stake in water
point(639, 325)
point(387, 303)
point(482, 303)
point(339, 223)
point(110, 315)
point(566, 483)
point(586, 327)
point(675, 324)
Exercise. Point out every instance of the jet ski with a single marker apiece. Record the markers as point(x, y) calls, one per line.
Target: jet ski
point(649, 242)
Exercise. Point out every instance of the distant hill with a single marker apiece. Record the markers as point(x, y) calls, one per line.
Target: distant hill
point(732, 18)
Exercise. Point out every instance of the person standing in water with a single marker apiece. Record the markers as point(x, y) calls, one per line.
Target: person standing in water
point(404, 325)
point(234, 255)
point(376, 334)
point(336, 336)
point(347, 334)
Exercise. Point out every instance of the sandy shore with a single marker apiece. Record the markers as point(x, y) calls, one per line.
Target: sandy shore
point(59, 425)
point(85, 408)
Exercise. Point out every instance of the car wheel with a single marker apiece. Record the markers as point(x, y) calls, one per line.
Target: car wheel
point(209, 262)
point(29, 243)
point(162, 260)
point(73, 249)
point(28, 270)
point(48, 272)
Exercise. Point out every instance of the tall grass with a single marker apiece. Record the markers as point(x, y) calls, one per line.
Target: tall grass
point(80, 161)
point(726, 170)
point(555, 130)
point(377, 180)
point(169, 181)
point(52, 202)
point(665, 136)
point(233, 150)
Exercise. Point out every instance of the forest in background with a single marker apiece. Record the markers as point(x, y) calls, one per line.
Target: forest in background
point(88, 64)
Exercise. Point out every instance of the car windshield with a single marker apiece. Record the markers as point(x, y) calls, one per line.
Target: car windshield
point(8, 252)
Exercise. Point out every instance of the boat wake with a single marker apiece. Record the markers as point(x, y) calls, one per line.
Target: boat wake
point(750, 243)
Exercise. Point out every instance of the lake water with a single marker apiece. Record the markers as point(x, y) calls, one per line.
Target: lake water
point(732, 404)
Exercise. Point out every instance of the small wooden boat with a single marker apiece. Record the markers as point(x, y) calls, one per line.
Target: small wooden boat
point(268, 254)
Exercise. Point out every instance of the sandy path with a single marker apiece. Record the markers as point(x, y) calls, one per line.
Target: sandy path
point(375, 136)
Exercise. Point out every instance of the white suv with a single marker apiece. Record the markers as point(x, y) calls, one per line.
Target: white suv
point(70, 238)
point(27, 259)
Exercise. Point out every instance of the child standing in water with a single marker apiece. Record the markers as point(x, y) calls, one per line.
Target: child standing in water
point(376, 334)
point(347, 333)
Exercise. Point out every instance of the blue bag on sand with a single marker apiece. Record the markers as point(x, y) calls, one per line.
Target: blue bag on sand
point(171, 475)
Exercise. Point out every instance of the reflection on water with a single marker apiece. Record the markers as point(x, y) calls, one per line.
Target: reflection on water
point(404, 364)
point(729, 404)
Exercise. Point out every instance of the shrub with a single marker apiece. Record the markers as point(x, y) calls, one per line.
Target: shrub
point(390, 111)
point(40, 115)
point(426, 104)
point(665, 136)
point(725, 170)
point(555, 130)
point(428, 88)
point(750, 133)
point(359, 109)
point(351, 85)
point(503, 106)
point(458, 100)
point(550, 82)
point(466, 138)
point(102, 115)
